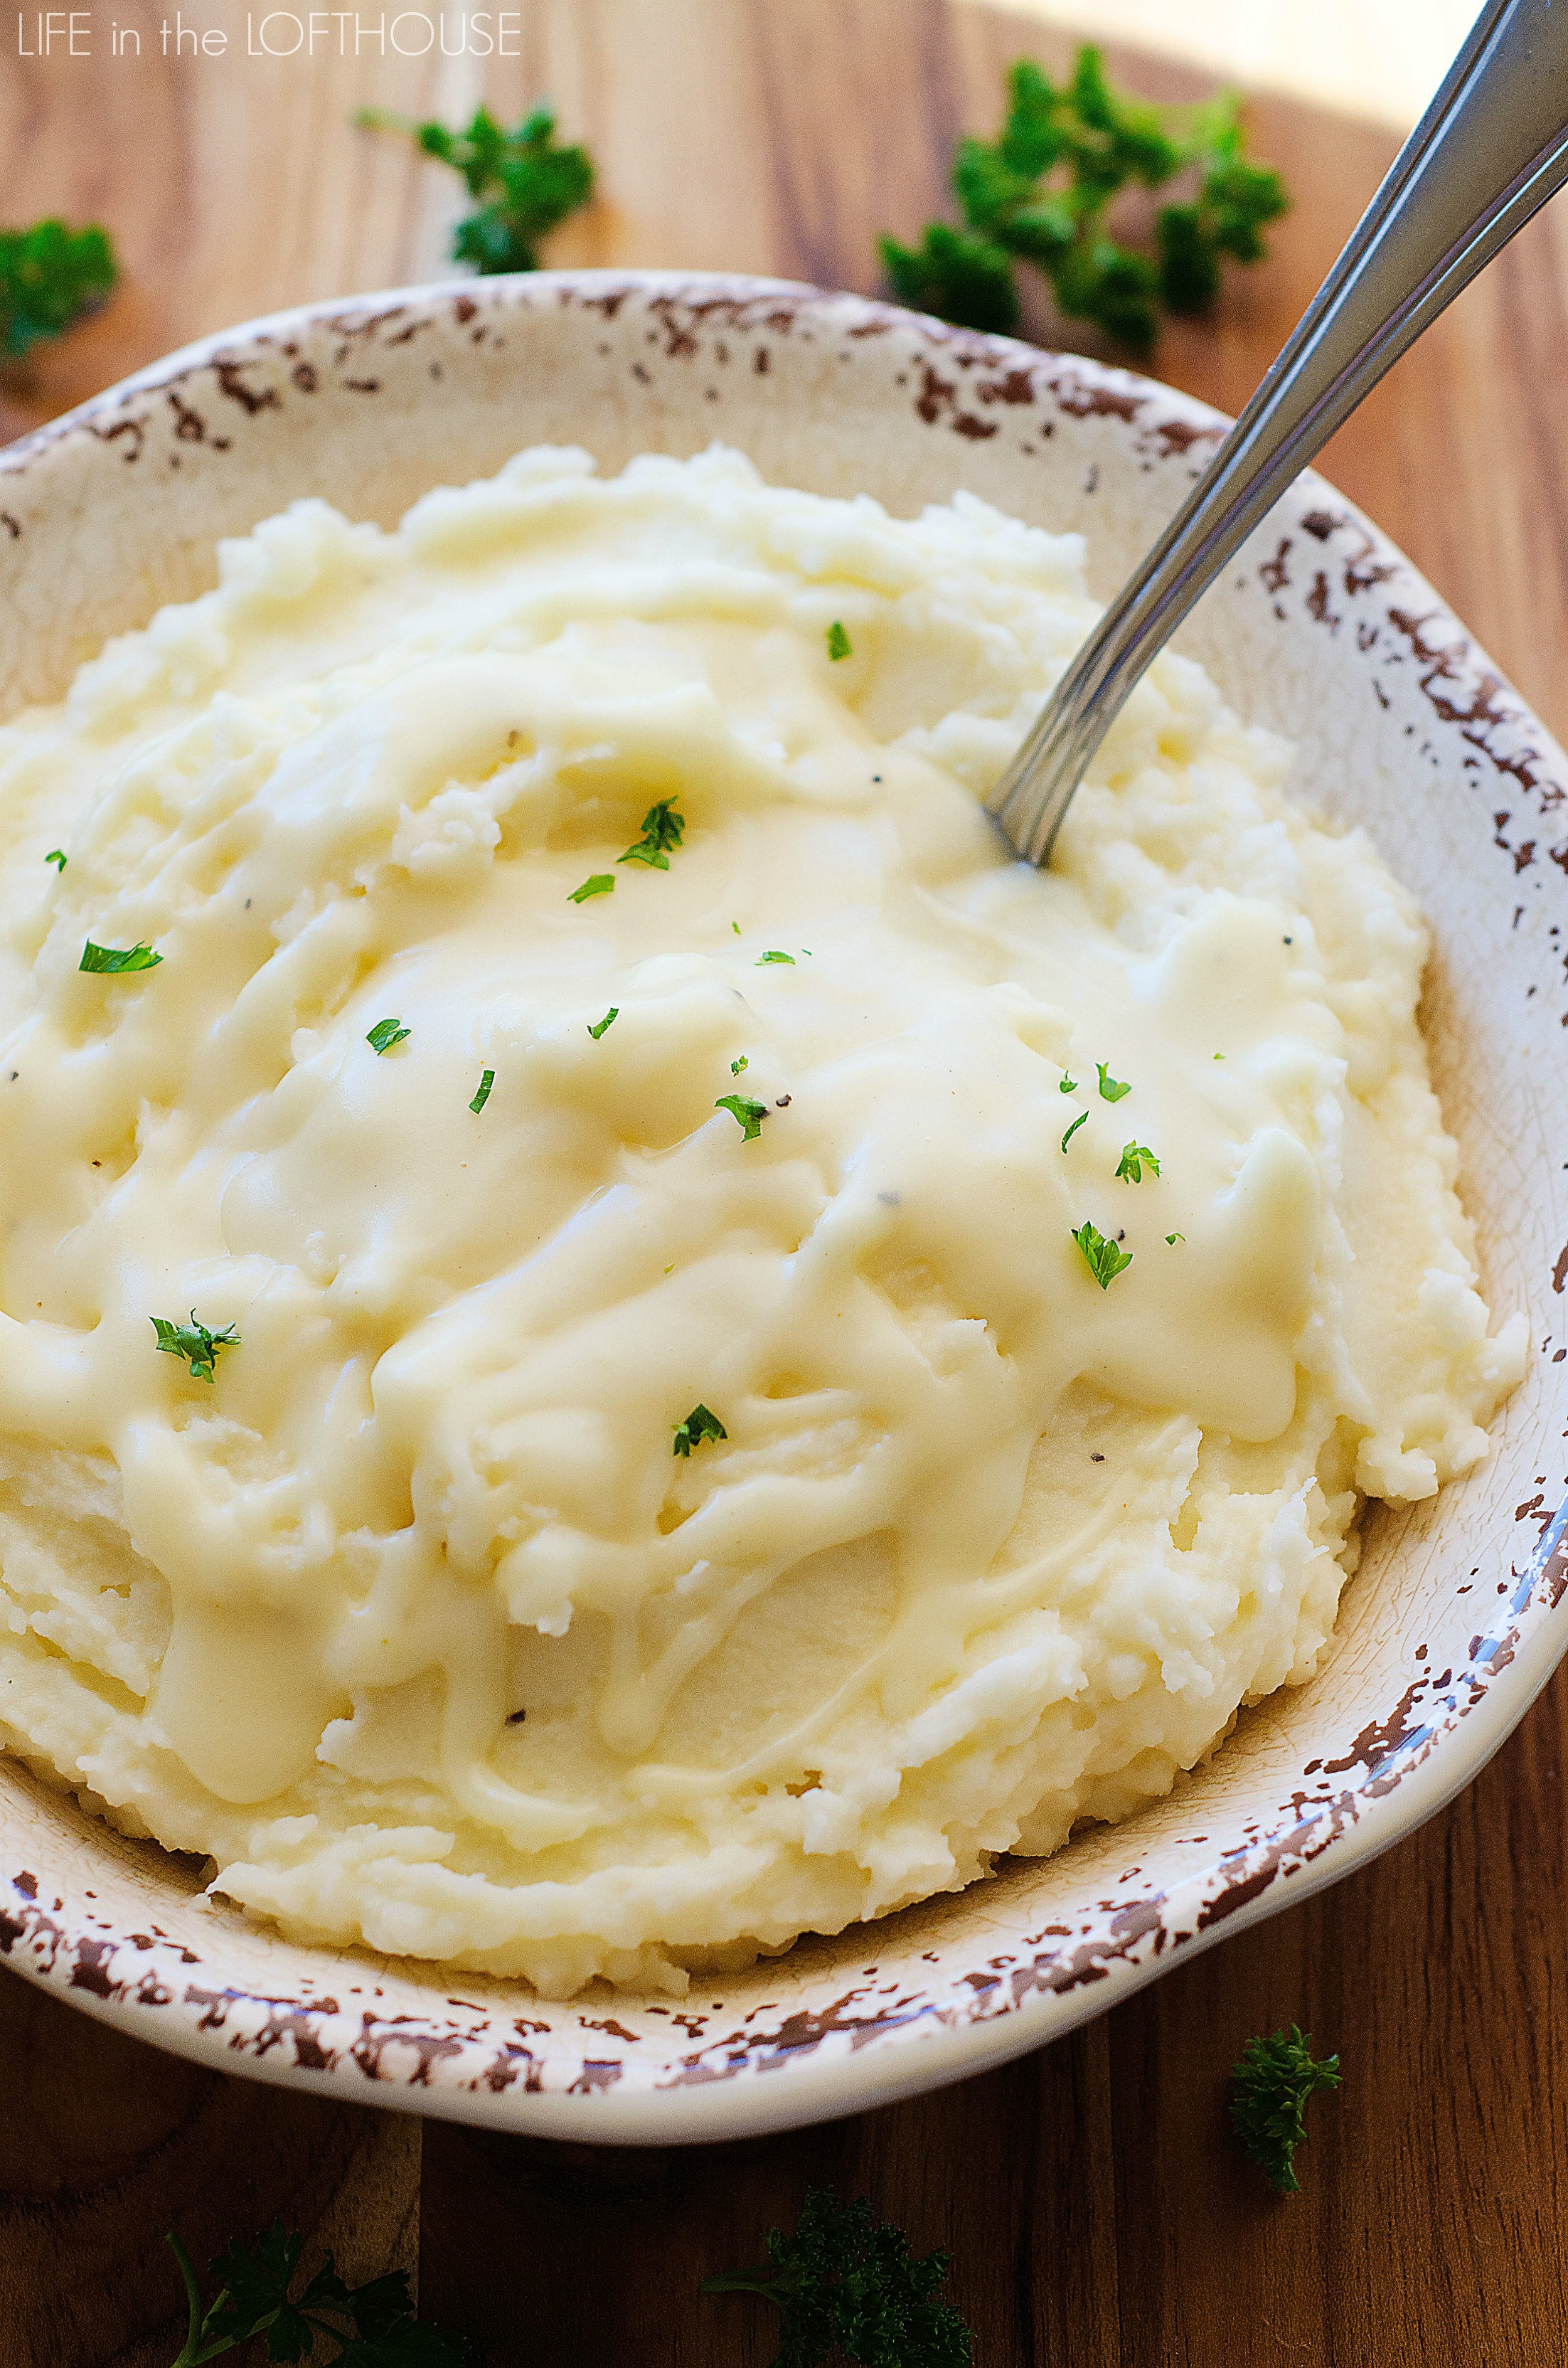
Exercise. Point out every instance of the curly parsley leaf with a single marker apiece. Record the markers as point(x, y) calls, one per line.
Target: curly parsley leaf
point(843, 2285)
point(386, 1033)
point(112, 959)
point(523, 182)
point(50, 276)
point(664, 827)
point(1135, 1158)
point(1269, 2090)
point(598, 883)
point(1103, 1258)
point(194, 1342)
point(1037, 194)
point(254, 2300)
point(701, 1423)
point(957, 275)
point(1111, 1088)
point(747, 1114)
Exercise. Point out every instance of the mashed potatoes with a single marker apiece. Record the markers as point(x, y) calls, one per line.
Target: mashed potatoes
point(724, 1353)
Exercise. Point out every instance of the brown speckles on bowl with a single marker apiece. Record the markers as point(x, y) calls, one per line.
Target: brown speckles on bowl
point(1456, 1616)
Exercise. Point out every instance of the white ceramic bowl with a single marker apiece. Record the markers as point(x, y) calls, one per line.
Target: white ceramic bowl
point(1456, 1618)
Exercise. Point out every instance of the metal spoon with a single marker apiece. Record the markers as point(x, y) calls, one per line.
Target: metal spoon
point(1491, 149)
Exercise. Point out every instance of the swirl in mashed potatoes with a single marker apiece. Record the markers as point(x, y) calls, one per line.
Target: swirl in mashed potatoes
point(892, 1391)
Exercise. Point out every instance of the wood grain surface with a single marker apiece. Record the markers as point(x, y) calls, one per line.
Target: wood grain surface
point(1095, 2203)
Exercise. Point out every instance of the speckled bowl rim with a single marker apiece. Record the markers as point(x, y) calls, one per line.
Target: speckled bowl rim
point(469, 2063)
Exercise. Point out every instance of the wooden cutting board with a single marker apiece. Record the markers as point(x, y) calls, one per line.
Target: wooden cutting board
point(1095, 2203)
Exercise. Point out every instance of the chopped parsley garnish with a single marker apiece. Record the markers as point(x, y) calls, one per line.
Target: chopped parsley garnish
point(482, 1096)
point(523, 182)
point(596, 1031)
point(50, 276)
point(115, 959)
point(1269, 2090)
point(194, 1342)
point(838, 641)
point(1110, 1090)
point(1174, 1237)
point(701, 1423)
point(1037, 194)
point(57, 857)
point(1102, 1257)
point(736, 1066)
point(1135, 1158)
point(1079, 1120)
point(598, 883)
point(748, 1115)
point(253, 2300)
point(846, 2288)
point(385, 1034)
point(773, 955)
point(1067, 1085)
point(664, 827)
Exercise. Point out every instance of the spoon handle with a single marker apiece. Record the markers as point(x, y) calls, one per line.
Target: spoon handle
point(1491, 149)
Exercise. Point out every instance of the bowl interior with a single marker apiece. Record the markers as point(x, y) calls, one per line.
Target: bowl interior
point(1319, 630)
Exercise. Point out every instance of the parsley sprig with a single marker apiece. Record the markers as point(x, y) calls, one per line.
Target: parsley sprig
point(1269, 2090)
point(1135, 1158)
point(523, 182)
point(195, 1343)
point(380, 2331)
point(664, 827)
point(50, 276)
point(843, 2286)
point(1037, 193)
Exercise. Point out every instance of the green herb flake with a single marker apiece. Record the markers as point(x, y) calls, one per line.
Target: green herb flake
point(385, 1034)
point(376, 2328)
point(482, 1096)
point(1078, 1121)
point(773, 955)
point(195, 1343)
point(838, 642)
point(1174, 1237)
point(701, 1423)
point(846, 2288)
point(748, 1115)
point(736, 1066)
point(51, 275)
point(57, 857)
point(598, 883)
point(664, 827)
point(596, 1031)
point(112, 959)
point(1111, 1089)
point(1135, 1158)
point(1270, 2090)
point(1067, 1085)
point(523, 182)
point(736, 927)
point(1102, 1257)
